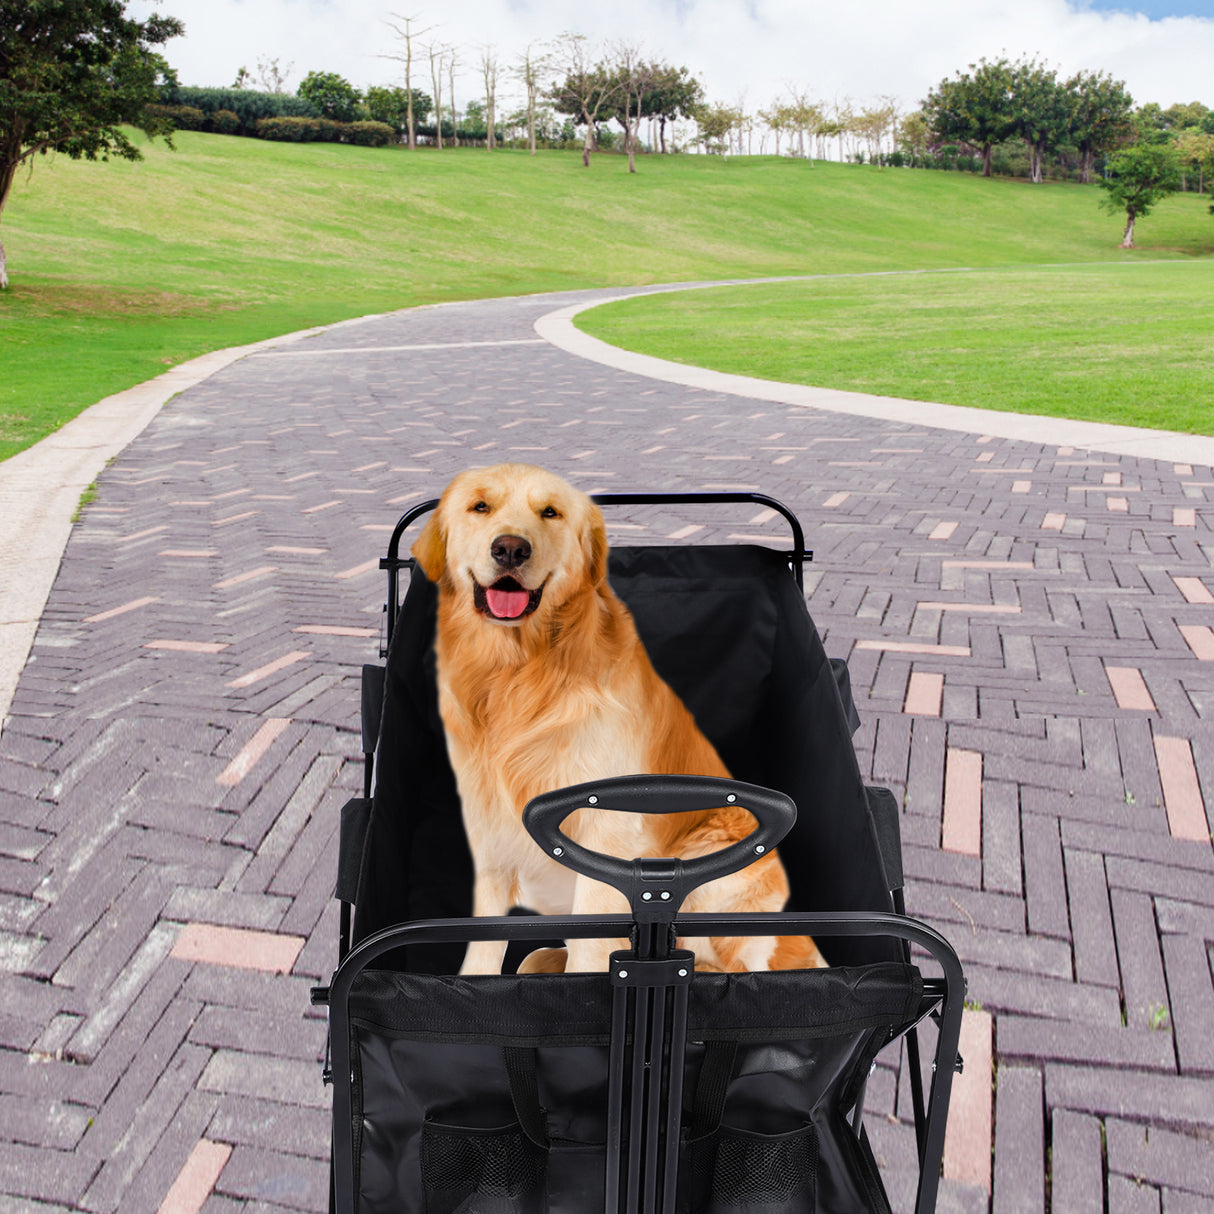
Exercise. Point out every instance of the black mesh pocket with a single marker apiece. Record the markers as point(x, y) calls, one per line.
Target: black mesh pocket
point(474, 1171)
point(741, 1172)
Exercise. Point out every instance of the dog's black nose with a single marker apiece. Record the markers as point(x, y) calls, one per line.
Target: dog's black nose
point(510, 551)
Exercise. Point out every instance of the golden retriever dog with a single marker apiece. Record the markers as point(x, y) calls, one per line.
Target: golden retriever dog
point(543, 683)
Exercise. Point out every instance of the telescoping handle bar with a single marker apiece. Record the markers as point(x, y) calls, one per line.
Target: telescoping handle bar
point(657, 887)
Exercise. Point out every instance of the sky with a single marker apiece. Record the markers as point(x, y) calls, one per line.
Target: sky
point(742, 50)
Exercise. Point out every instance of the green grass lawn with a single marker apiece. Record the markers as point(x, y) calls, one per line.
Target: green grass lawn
point(1130, 344)
point(122, 270)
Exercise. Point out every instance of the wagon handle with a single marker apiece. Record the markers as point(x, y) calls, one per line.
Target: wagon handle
point(657, 887)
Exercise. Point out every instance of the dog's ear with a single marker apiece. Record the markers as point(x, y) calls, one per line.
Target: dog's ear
point(430, 548)
point(595, 541)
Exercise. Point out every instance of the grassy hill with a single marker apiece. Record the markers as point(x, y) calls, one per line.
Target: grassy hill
point(120, 270)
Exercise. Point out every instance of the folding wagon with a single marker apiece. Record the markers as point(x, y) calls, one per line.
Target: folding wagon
point(649, 1089)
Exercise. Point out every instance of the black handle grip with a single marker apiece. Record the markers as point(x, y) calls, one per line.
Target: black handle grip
point(774, 812)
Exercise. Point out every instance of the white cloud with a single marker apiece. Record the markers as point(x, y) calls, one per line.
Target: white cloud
point(754, 48)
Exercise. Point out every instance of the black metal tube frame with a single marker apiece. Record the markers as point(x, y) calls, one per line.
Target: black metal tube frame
point(797, 556)
point(947, 993)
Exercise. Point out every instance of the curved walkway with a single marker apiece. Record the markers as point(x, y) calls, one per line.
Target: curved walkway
point(1028, 627)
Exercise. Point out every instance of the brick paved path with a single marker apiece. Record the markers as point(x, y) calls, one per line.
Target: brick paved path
point(1029, 633)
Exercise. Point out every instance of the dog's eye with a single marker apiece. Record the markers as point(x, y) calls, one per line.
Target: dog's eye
point(480, 508)
point(550, 512)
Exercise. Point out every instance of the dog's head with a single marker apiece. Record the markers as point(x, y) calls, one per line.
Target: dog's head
point(515, 540)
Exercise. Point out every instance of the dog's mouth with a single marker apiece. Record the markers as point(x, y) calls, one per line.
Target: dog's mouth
point(506, 599)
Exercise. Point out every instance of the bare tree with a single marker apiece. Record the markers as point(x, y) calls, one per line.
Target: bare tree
point(489, 72)
point(527, 71)
point(451, 63)
point(436, 52)
point(402, 27)
point(272, 74)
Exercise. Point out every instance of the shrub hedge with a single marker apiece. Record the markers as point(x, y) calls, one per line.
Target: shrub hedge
point(325, 130)
point(249, 105)
point(183, 117)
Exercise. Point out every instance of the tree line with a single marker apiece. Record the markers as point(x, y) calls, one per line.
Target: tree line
point(75, 73)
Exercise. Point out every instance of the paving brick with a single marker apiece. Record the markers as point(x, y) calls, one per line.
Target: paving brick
point(1077, 1172)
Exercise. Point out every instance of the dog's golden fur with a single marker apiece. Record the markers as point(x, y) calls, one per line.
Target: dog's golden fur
point(544, 683)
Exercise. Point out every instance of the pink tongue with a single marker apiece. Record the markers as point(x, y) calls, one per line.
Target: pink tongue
point(507, 604)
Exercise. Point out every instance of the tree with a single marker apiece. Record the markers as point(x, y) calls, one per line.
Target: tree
point(394, 106)
point(975, 108)
point(436, 53)
point(1139, 176)
point(402, 27)
point(1041, 113)
point(72, 73)
point(588, 92)
point(914, 134)
point(1100, 116)
point(632, 78)
point(876, 124)
point(489, 73)
point(717, 122)
point(1195, 150)
point(333, 95)
point(527, 69)
point(672, 93)
point(273, 75)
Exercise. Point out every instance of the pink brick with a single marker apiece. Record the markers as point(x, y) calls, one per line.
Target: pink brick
point(943, 531)
point(961, 563)
point(187, 646)
point(335, 630)
point(233, 518)
point(133, 605)
point(238, 947)
point(973, 608)
point(1182, 469)
point(1022, 486)
point(1053, 522)
point(1120, 504)
point(358, 570)
point(947, 651)
point(139, 535)
point(1193, 589)
point(264, 672)
point(962, 831)
point(322, 506)
point(300, 551)
point(248, 755)
point(197, 1178)
point(240, 578)
point(924, 694)
point(189, 552)
point(1184, 516)
point(1130, 688)
point(1200, 639)
point(1111, 478)
point(986, 457)
point(1181, 790)
point(835, 499)
point(967, 1140)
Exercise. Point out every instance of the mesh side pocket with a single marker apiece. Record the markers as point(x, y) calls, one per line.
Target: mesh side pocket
point(741, 1172)
point(475, 1171)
